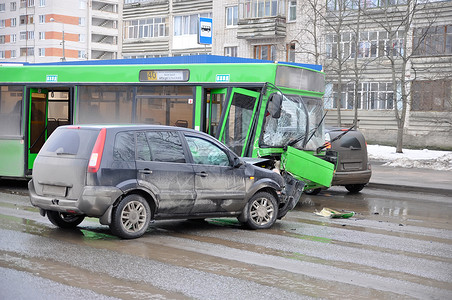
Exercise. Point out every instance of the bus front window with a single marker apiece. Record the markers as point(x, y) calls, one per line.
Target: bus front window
point(296, 125)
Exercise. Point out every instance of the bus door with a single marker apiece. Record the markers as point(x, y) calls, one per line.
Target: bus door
point(47, 111)
point(213, 109)
point(235, 131)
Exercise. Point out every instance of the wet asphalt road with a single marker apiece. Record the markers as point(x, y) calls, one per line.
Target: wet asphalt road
point(398, 245)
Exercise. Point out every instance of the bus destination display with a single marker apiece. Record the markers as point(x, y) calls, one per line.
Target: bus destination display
point(164, 75)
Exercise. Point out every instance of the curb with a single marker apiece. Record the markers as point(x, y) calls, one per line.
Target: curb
point(445, 192)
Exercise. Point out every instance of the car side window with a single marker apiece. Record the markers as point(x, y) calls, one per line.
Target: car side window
point(206, 153)
point(124, 148)
point(143, 150)
point(165, 146)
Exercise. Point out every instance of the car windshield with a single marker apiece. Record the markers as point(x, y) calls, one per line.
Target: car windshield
point(297, 124)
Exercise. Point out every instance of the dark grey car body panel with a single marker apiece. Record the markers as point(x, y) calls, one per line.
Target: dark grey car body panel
point(173, 190)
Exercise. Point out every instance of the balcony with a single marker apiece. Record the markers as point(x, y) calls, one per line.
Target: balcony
point(261, 28)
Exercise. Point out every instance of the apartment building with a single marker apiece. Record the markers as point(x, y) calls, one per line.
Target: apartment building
point(360, 44)
point(156, 28)
point(60, 30)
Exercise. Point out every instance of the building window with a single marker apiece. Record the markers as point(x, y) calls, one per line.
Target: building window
point(432, 95)
point(2, 7)
point(292, 11)
point(371, 96)
point(266, 52)
point(12, 6)
point(42, 52)
point(145, 28)
point(232, 14)
point(23, 35)
point(81, 37)
point(81, 21)
point(82, 54)
point(261, 8)
point(187, 25)
point(31, 3)
point(2, 54)
point(42, 3)
point(13, 22)
point(290, 52)
point(42, 35)
point(2, 23)
point(13, 53)
point(13, 38)
point(230, 51)
point(42, 19)
point(29, 51)
point(2, 39)
point(82, 4)
point(371, 44)
point(31, 35)
point(26, 19)
point(435, 40)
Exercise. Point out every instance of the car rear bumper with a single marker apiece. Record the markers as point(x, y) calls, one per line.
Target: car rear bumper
point(93, 202)
point(355, 177)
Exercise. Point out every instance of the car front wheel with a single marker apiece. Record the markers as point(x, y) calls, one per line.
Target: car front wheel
point(131, 217)
point(261, 211)
point(354, 188)
point(63, 220)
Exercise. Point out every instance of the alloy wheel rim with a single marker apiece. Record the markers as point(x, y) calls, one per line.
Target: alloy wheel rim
point(261, 211)
point(133, 216)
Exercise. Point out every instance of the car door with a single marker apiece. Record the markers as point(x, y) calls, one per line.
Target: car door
point(162, 168)
point(219, 186)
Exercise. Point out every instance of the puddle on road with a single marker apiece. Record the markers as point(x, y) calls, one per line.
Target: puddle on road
point(398, 208)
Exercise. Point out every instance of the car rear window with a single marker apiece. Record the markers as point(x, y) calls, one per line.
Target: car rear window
point(70, 141)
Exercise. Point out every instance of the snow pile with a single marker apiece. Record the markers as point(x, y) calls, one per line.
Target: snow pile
point(431, 159)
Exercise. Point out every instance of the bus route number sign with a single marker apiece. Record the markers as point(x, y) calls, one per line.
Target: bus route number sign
point(164, 75)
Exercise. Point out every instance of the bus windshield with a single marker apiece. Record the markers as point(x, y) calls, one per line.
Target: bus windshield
point(297, 124)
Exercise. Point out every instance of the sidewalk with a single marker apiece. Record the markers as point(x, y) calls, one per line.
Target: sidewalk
point(413, 179)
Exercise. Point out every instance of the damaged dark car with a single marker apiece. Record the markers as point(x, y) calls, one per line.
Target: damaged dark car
point(129, 175)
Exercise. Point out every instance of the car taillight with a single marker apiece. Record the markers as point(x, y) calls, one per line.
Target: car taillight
point(96, 154)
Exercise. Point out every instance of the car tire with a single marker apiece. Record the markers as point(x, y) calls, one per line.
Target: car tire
point(261, 211)
point(64, 220)
point(131, 218)
point(312, 191)
point(354, 188)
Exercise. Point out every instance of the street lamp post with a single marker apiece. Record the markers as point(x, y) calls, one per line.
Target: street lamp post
point(64, 54)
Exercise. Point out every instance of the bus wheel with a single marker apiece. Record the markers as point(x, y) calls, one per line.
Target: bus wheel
point(131, 218)
point(261, 211)
point(63, 220)
point(312, 191)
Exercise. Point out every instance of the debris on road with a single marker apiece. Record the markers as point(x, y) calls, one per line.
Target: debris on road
point(331, 213)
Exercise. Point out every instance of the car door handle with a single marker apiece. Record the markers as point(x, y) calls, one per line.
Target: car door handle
point(145, 171)
point(202, 174)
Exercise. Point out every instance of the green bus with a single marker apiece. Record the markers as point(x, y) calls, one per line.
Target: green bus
point(269, 111)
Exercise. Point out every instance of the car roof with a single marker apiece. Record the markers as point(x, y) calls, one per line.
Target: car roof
point(128, 126)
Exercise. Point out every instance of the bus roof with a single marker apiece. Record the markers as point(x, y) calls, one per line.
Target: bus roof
point(192, 59)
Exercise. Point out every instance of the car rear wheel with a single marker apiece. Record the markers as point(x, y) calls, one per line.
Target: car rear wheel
point(261, 211)
point(312, 191)
point(354, 188)
point(131, 217)
point(64, 220)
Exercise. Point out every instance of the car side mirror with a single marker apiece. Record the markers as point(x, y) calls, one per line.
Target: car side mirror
point(274, 105)
point(237, 162)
